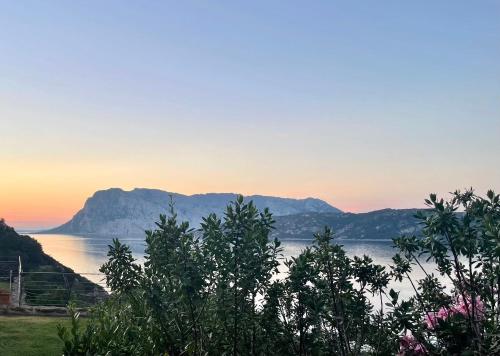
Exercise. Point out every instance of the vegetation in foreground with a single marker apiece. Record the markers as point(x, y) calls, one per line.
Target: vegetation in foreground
point(4, 286)
point(30, 335)
point(218, 294)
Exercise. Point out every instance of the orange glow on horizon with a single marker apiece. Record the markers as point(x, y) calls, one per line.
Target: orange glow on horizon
point(53, 209)
point(38, 195)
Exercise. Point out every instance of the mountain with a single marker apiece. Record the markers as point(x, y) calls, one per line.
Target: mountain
point(379, 224)
point(118, 212)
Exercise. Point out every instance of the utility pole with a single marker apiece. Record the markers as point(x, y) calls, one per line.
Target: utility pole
point(19, 292)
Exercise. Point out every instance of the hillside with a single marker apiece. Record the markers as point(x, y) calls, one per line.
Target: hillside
point(119, 212)
point(33, 258)
point(380, 224)
point(52, 284)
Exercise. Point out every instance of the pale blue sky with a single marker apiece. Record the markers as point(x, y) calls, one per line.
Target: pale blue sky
point(364, 104)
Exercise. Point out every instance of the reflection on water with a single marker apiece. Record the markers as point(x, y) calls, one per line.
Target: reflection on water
point(85, 254)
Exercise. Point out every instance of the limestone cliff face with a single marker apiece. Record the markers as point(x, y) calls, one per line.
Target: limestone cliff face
point(118, 212)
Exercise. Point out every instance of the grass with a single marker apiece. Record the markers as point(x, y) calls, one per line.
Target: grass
point(4, 285)
point(30, 335)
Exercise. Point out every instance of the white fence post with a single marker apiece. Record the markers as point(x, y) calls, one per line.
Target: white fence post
point(19, 291)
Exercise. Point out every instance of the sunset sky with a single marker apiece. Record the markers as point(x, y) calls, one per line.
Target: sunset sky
point(366, 105)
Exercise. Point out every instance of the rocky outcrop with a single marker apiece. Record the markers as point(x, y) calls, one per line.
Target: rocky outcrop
point(119, 212)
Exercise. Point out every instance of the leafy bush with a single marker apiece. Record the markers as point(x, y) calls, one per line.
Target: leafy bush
point(216, 291)
point(462, 238)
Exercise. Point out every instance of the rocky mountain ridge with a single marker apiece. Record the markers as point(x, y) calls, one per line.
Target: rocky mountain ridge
point(118, 212)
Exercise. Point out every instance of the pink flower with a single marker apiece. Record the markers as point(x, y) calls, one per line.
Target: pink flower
point(462, 306)
point(407, 341)
point(420, 350)
point(430, 320)
point(408, 345)
point(459, 307)
point(443, 313)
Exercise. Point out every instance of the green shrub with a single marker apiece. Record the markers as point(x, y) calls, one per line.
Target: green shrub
point(215, 291)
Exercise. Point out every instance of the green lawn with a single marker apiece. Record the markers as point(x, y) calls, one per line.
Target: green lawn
point(4, 285)
point(30, 335)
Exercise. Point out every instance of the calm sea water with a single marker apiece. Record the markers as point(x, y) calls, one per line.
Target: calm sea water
point(85, 254)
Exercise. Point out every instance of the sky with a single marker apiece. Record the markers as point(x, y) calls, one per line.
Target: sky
point(366, 105)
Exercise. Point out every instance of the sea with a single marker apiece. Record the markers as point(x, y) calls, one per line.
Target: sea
point(86, 254)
